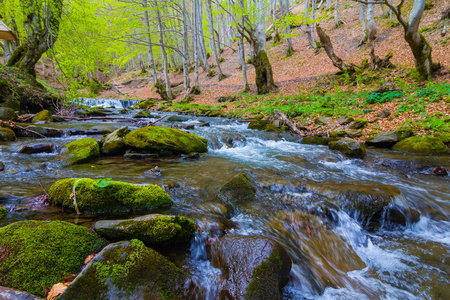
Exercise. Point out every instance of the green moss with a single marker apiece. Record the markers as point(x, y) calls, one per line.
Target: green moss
point(159, 231)
point(160, 139)
point(7, 134)
point(128, 270)
point(351, 148)
point(265, 278)
point(264, 73)
point(3, 212)
point(44, 115)
point(117, 196)
point(38, 253)
point(443, 136)
point(81, 151)
point(358, 123)
point(317, 140)
point(422, 145)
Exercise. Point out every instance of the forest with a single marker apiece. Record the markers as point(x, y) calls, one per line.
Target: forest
point(224, 149)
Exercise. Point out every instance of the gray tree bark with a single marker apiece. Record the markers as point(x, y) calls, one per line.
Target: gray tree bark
point(213, 40)
point(163, 53)
point(187, 82)
point(151, 59)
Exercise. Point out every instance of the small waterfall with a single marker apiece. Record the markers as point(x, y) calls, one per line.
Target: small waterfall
point(118, 104)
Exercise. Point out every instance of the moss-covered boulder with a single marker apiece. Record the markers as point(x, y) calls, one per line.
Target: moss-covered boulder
point(176, 119)
point(345, 120)
point(113, 196)
point(267, 125)
point(443, 136)
point(238, 189)
point(358, 124)
point(157, 139)
point(317, 140)
point(127, 270)
point(422, 145)
point(254, 267)
point(114, 142)
point(351, 148)
point(80, 151)
point(7, 135)
point(143, 114)
point(7, 114)
point(154, 230)
point(35, 254)
point(3, 212)
point(43, 116)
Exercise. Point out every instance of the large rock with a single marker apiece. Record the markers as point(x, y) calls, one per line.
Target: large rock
point(267, 125)
point(253, 267)
point(154, 230)
point(323, 258)
point(358, 123)
point(114, 142)
point(157, 139)
point(388, 139)
point(7, 135)
point(421, 145)
point(113, 196)
point(44, 116)
point(238, 189)
point(7, 114)
point(345, 120)
point(127, 270)
point(34, 254)
point(11, 294)
point(3, 212)
point(351, 148)
point(80, 151)
point(45, 131)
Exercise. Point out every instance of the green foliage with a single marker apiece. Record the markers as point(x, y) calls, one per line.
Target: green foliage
point(378, 98)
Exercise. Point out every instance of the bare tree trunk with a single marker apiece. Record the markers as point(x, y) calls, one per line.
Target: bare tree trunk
point(164, 54)
point(6, 50)
point(276, 34)
point(285, 12)
point(362, 18)
point(187, 82)
point(372, 26)
point(213, 40)
point(201, 37)
point(309, 28)
point(336, 14)
point(328, 4)
point(241, 52)
point(151, 59)
point(195, 39)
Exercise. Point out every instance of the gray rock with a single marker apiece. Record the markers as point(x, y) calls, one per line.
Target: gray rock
point(384, 114)
point(345, 120)
point(10, 294)
point(137, 155)
point(358, 123)
point(388, 139)
point(351, 148)
point(254, 267)
point(37, 148)
point(7, 114)
point(113, 143)
point(176, 119)
point(353, 133)
point(322, 121)
point(45, 131)
point(238, 189)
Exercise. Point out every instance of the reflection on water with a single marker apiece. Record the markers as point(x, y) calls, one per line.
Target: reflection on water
point(337, 259)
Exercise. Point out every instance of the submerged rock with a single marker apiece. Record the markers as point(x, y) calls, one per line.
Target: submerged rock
point(3, 212)
point(238, 189)
point(439, 171)
point(113, 196)
point(80, 151)
point(254, 267)
point(45, 131)
point(154, 230)
point(37, 148)
point(176, 119)
point(127, 270)
point(2, 166)
point(114, 142)
point(48, 251)
point(7, 135)
point(143, 114)
point(322, 256)
point(422, 145)
point(157, 139)
point(44, 116)
point(267, 125)
point(351, 148)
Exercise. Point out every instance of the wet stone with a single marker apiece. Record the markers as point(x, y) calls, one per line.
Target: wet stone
point(37, 148)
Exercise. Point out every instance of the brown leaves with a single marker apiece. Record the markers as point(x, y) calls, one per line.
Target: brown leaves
point(59, 288)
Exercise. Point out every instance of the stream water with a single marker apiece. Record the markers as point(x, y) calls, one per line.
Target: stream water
point(350, 262)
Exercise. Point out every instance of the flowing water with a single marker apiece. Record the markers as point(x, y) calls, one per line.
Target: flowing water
point(343, 260)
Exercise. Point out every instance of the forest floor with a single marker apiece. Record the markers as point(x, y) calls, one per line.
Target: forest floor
point(307, 87)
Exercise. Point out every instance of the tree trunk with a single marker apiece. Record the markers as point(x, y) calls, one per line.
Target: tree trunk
point(372, 26)
point(201, 37)
point(287, 31)
point(309, 28)
point(195, 40)
point(164, 55)
point(151, 59)
point(336, 14)
point(6, 50)
point(328, 46)
point(213, 40)
point(419, 45)
point(263, 68)
point(241, 52)
point(41, 35)
point(362, 18)
point(187, 82)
